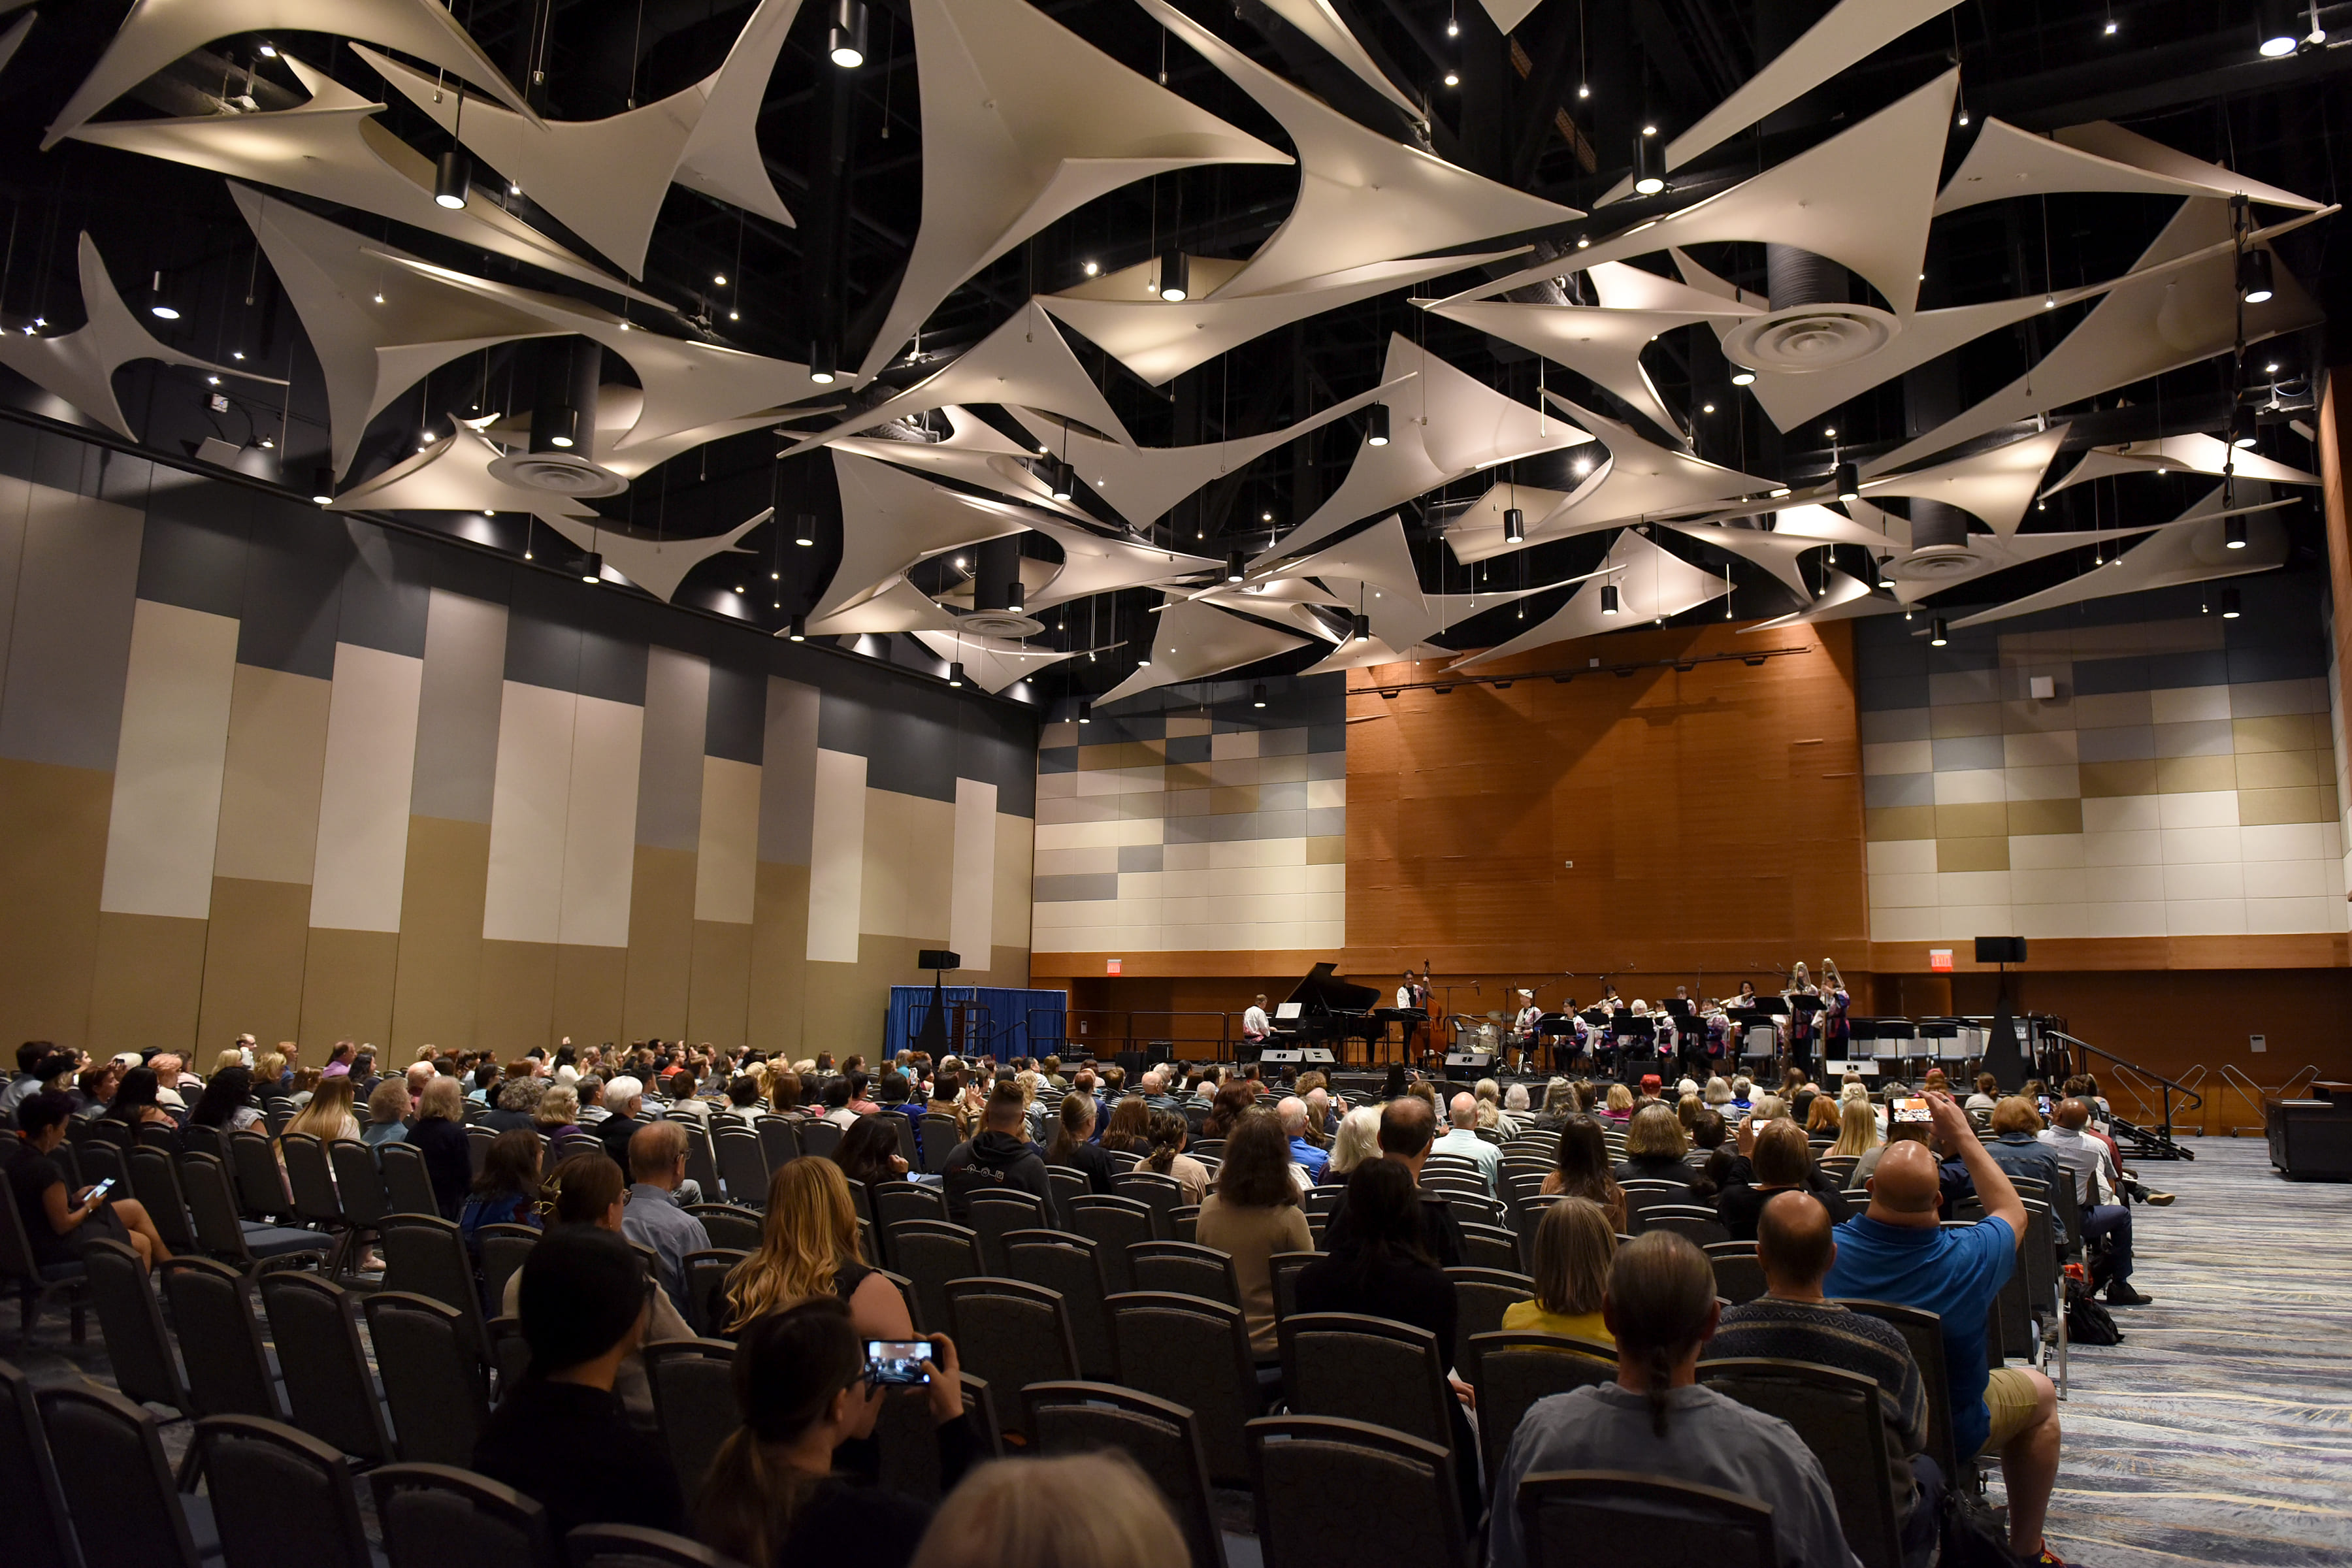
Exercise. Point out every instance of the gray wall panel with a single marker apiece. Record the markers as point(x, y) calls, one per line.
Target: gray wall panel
point(669, 776)
point(458, 710)
point(788, 772)
point(386, 589)
point(739, 714)
point(293, 576)
point(70, 650)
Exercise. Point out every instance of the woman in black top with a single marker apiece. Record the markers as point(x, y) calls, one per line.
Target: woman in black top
point(136, 1100)
point(1655, 1145)
point(57, 1220)
point(868, 1150)
point(771, 1496)
point(439, 1134)
point(1071, 1144)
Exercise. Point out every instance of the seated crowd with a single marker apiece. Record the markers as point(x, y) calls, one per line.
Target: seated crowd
point(1856, 1212)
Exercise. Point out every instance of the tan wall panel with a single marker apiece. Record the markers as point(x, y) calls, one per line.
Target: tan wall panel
point(149, 973)
point(437, 986)
point(1016, 840)
point(52, 864)
point(269, 784)
point(719, 1004)
point(589, 988)
point(518, 996)
point(660, 960)
point(252, 961)
point(779, 959)
point(847, 1003)
point(348, 986)
point(910, 868)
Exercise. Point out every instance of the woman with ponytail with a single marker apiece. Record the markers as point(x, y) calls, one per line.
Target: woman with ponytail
point(1074, 1131)
point(1657, 1420)
point(771, 1496)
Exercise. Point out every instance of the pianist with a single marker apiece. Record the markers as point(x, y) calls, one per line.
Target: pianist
point(1254, 1026)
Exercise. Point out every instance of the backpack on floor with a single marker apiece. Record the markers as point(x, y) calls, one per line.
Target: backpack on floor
point(2088, 1321)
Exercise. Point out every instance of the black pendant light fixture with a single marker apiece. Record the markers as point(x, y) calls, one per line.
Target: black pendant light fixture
point(1608, 598)
point(804, 530)
point(591, 570)
point(1015, 595)
point(453, 171)
point(1236, 566)
point(844, 38)
point(1257, 695)
point(1175, 275)
point(1086, 712)
point(799, 631)
point(1378, 433)
point(322, 486)
point(2229, 603)
point(1848, 481)
point(1062, 478)
point(824, 360)
point(2233, 532)
point(955, 674)
point(1515, 526)
point(1938, 635)
point(1361, 629)
point(160, 308)
point(2254, 276)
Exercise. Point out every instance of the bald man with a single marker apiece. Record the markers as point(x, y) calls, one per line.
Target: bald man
point(1898, 1250)
point(1793, 1320)
point(1463, 1140)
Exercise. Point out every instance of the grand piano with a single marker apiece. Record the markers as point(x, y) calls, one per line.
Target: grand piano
point(1322, 1010)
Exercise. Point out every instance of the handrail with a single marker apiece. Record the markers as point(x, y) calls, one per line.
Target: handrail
point(2236, 1080)
point(2149, 1142)
point(1122, 1034)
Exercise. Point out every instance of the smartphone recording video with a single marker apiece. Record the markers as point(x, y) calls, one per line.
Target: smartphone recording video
point(1912, 1110)
point(898, 1363)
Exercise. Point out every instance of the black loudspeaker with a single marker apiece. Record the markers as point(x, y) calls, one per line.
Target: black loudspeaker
point(2001, 949)
point(1476, 1061)
point(938, 958)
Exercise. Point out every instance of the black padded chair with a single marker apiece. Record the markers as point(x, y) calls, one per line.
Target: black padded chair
point(634, 1546)
point(220, 1344)
point(897, 1201)
point(510, 1354)
point(1924, 1331)
point(1159, 1436)
point(742, 1166)
point(1184, 1269)
point(1491, 1247)
point(1068, 1184)
point(435, 1380)
point(1482, 1296)
point(407, 1184)
point(1695, 1225)
point(819, 1138)
point(1114, 1224)
point(1283, 1270)
point(1013, 1334)
point(116, 1483)
point(779, 1141)
point(504, 1249)
point(705, 1288)
point(908, 1438)
point(146, 1369)
point(278, 1496)
point(1511, 1371)
point(995, 1214)
point(248, 1245)
point(930, 1252)
point(1355, 1368)
point(358, 1183)
point(1195, 1353)
point(1837, 1414)
point(478, 1140)
point(1339, 1494)
point(1163, 1195)
point(427, 1256)
point(310, 1179)
point(40, 1535)
point(1066, 1264)
point(939, 1140)
point(1569, 1518)
point(694, 1401)
point(1739, 1275)
point(730, 1226)
point(437, 1516)
point(261, 1190)
point(157, 1182)
point(330, 1393)
point(39, 1283)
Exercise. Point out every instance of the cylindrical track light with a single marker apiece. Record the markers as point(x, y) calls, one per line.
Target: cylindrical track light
point(1515, 526)
point(845, 38)
point(1236, 566)
point(1257, 695)
point(1848, 480)
point(2277, 30)
point(955, 673)
point(823, 359)
point(1086, 712)
point(162, 309)
point(1936, 634)
point(1361, 629)
point(805, 528)
point(2233, 532)
point(1175, 275)
point(2241, 428)
point(1608, 598)
point(453, 178)
point(2254, 276)
point(1742, 376)
point(322, 486)
point(799, 630)
point(591, 570)
point(564, 405)
point(1377, 435)
point(1062, 478)
point(1015, 595)
point(2229, 603)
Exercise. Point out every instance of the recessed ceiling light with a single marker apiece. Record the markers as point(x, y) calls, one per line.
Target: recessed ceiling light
point(1453, 80)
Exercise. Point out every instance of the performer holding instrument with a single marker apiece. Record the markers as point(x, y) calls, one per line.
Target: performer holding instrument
point(1837, 1026)
point(1800, 1040)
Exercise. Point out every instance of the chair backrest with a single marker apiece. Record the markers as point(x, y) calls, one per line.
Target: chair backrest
point(1184, 1269)
point(1837, 1414)
point(1358, 1368)
point(1159, 1436)
point(908, 1438)
point(144, 1367)
point(329, 1391)
point(1696, 1226)
point(407, 1184)
point(1738, 1276)
point(212, 1309)
point(158, 1185)
point(894, 1201)
point(1283, 1270)
point(359, 1181)
point(197, 1140)
point(1569, 1517)
point(40, 1534)
point(1068, 1184)
point(1337, 1494)
point(1163, 1195)
point(1474, 1208)
point(1012, 1333)
point(728, 1226)
point(212, 1207)
point(510, 1354)
point(504, 1249)
point(1492, 1247)
point(1115, 1223)
point(634, 1546)
point(1192, 1353)
point(261, 1189)
point(1481, 1297)
point(743, 1166)
point(478, 1140)
point(113, 1476)
point(1924, 1331)
point(938, 1141)
point(779, 1141)
point(1066, 1263)
point(1511, 1371)
point(278, 1495)
point(705, 1288)
point(424, 1255)
point(819, 1138)
point(694, 1401)
point(701, 1162)
point(437, 1516)
point(311, 1178)
point(993, 1214)
point(99, 1161)
point(930, 1252)
point(434, 1378)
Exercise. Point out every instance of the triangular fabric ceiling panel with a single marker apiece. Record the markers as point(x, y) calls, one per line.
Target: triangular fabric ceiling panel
point(1619, 287)
point(158, 32)
point(1319, 22)
point(900, 606)
point(1023, 122)
point(2190, 549)
point(2108, 140)
point(454, 474)
point(15, 38)
point(990, 663)
point(1847, 598)
point(891, 519)
point(2192, 454)
point(985, 467)
point(2006, 162)
point(1997, 485)
point(1193, 642)
point(1363, 198)
point(657, 565)
point(79, 366)
point(1651, 583)
point(1372, 653)
point(1849, 31)
point(1092, 563)
point(1603, 346)
point(1780, 554)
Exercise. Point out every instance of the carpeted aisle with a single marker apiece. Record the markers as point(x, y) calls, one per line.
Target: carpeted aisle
point(2221, 1430)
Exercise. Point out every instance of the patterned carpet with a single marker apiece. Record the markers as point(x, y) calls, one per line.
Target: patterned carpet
point(2221, 1430)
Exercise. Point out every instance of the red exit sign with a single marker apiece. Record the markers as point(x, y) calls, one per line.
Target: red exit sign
point(1939, 960)
point(1110, 965)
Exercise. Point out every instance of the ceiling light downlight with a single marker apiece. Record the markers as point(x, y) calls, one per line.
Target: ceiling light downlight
point(1377, 433)
point(2254, 276)
point(845, 38)
point(453, 179)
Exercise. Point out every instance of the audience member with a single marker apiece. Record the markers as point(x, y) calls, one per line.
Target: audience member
point(1987, 1094)
point(1857, 1127)
point(1580, 1169)
point(1655, 1147)
point(625, 1098)
point(557, 1112)
point(868, 1150)
point(227, 1103)
point(506, 1187)
point(389, 1110)
point(1462, 1139)
point(518, 1100)
point(1656, 1419)
point(1235, 1097)
point(652, 1217)
point(1357, 1140)
point(1253, 1213)
point(439, 1134)
point(135, 1100)
point(2015, 1148)
point(563, 1437)
point(327, 1117)
point(808, 1246)
point(1073, 1144)
point(1793, 1320)
point(1016, 1513)
point(57, 1221)
point(1407, 1124)
point(1898, 1250)
point(998, 1157)
point(1575, 1242)
point(1303, 1151)
point(2105, 1226)
point(1781, 1161)
point(1170, 1133)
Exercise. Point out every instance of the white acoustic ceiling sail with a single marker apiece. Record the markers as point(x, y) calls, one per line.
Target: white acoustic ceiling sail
point(975, 455)
point(158, 32)
point(2108, 140)
point(990, 663)
point(891, 519)
point(1093, 564)
point(898, 606)
point(605, 179)
point(1025, 122)
point(1194, 641)
point(657, 565)
point(1319, 22)
point(1996, 485)
point(2190, 454)
point(334, 148)
point(1845, 598)
point(2007, 162)
point(454, 474)
point(2192, 549)
point(1848, 31)
point(79, 366)
point(1363, 198)
point(1604, 346)
point(1780, 554)
point(1651, 583)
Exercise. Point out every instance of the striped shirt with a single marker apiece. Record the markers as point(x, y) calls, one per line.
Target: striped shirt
point(1827, 1334)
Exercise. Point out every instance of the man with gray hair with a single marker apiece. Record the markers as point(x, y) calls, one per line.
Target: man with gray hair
point(1293, 1111)
point(653, 1218)
point(1464, 1139)
point(1155, 1089)
point(592, 1111)
point(625, 1099)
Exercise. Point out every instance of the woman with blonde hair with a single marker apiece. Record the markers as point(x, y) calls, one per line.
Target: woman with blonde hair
point(557, 1112)
point(389, 1108)
point(1621, 1104)
point(232, 1057)
point(1357, 1140)
point(1857, 1126)
point(327, 1117)
point(1017, 1514)
point(1574, 1245)
point(1718, 1093)
point(269, 1073)
point(808, 1246)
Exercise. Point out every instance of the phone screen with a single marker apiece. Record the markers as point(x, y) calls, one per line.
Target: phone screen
point(99, 1190)
point(1912, 1110)
point(898, 1363)
point(2041, 1103)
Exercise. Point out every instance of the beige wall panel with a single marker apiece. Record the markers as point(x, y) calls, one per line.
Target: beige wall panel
point(253, 963)
point(909, 867)
point(972, 897)
point(589, 990)
point(836, 857)
point(348, 987)
point(779, 959)
point(847, 1003)
point(532, 790)
point(729, 848)
point(599, 826)
point(363, 794)
point(52, 862)
point(718, 1006)
point(437, 988)
point(167, 771)
point(518, 997)
point(269, 778)
point(1016, 838)
point(660, 963)
point(149, 974)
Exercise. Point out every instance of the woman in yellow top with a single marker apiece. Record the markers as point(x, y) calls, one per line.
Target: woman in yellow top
point(1574, 1246)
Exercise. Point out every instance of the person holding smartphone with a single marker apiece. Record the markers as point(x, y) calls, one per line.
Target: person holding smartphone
point(56, 1219)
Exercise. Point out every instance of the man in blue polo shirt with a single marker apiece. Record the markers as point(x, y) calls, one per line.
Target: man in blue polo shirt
point(1898, 1250)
